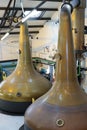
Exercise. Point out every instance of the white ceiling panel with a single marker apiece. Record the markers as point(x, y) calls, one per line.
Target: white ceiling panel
point(1, 13)
point(51, 5)
point(48, 14)
point(4, 3)
point(36, 22)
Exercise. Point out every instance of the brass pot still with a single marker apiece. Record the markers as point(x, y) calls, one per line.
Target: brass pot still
point(64, 106)
point(24, 84)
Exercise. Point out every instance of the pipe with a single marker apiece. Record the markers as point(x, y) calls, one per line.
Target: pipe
point(75, 3)
point(66, 6)
point(78, 17)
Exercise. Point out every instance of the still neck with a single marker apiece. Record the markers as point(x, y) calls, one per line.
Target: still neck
point(25, 57)
point(66, 66)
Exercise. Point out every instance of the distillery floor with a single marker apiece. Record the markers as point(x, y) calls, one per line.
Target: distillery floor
point(10, 122)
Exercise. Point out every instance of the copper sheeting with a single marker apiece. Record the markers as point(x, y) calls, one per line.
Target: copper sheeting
point(64, 107)
point(24, 84)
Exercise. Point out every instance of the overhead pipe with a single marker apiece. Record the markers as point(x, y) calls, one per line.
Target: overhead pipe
point(75, 3)
point(5, 14)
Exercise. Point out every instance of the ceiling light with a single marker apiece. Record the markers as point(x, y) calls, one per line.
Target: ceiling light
point(6, 35)
point(27, 14)
point(31, 14)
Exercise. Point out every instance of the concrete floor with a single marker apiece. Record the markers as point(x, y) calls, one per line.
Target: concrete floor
point(10, 122)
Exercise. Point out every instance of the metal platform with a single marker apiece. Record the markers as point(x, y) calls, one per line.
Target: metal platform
point(14, 107)
point(22, 127)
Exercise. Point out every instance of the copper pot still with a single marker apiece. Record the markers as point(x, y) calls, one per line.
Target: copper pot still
point(64, 106)
point(24, 84)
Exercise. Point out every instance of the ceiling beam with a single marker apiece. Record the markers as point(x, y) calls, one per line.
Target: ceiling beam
point(30, 9)
point(43, 18)
point(12, 33)
point(49, 0)
point(6, 13)
point(30, 26)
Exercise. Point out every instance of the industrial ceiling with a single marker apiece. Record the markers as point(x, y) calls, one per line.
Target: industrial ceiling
point(11, 11)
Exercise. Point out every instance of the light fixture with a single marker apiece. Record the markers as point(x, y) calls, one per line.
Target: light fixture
point(27, 14)
point(6, 35)
point(31, 14)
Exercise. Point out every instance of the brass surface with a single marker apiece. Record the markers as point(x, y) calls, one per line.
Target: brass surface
point(24, 83)
point(64, 106)
point(78, 17)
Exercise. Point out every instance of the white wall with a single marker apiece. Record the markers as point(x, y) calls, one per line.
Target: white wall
point(47, 40)
point(47, 37)
point(44, 46)
point(8, 48)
